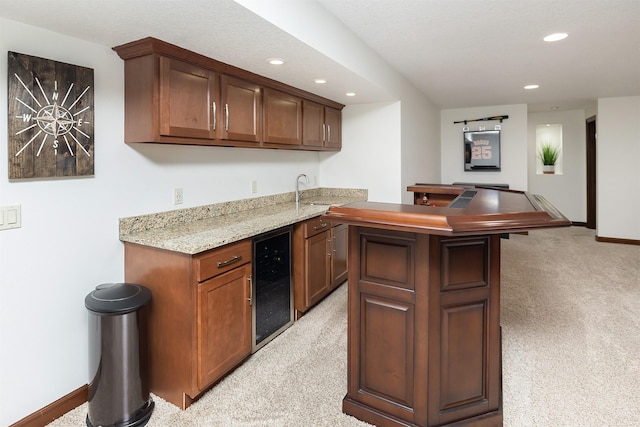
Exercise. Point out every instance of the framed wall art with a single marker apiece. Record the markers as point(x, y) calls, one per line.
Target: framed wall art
point(50, 118)
point(482, 150)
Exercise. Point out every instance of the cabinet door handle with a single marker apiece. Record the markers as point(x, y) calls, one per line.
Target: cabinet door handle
point(215, 116)
point(229, 261)
point(324, 132)
point(320, 227)
point(226, 117)
point(328, 133)
point(250, 299)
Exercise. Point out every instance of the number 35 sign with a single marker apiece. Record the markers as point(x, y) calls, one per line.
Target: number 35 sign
point(482, 150)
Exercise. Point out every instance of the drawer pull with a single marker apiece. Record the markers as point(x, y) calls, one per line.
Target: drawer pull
point(320, 227)
point(229, 261)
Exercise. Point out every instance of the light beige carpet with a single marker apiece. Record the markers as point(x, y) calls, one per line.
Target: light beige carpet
point(571, 348)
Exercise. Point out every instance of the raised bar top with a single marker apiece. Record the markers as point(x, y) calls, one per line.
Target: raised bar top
point(490, 211)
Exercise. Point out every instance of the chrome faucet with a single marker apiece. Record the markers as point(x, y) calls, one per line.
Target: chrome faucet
point(306, 178)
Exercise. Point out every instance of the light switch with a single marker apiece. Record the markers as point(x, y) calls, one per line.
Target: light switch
point(10, 217)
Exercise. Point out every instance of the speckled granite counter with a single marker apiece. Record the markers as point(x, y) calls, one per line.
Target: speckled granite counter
point(195, 230)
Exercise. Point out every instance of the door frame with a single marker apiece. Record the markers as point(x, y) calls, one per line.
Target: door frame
point(591, 139)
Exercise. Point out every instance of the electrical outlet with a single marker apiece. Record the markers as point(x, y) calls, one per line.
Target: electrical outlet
point(254, 186)
point(177, 196)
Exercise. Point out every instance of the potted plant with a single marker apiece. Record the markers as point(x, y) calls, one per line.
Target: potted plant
point(549, 156)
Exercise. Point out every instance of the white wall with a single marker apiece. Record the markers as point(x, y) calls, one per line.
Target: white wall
point(566, 191)
point(420, 144)
point(371, 159)
point(618, 174)
point(69, 243)
point(513, 145)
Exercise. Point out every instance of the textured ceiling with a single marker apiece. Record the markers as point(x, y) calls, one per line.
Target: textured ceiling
point(459, 53)
point(469, 52)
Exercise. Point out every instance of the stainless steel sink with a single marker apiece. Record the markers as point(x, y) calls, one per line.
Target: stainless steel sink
point(315, 204)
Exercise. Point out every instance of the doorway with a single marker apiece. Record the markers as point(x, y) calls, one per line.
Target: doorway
point(591, 172)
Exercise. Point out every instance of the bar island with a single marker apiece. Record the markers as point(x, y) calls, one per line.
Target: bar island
point(424, 346)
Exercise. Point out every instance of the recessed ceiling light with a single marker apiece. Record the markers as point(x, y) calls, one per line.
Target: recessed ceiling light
point(320, 81)
point(275, 61)
point(350, 94)
point(555, 37)
point(529, 87)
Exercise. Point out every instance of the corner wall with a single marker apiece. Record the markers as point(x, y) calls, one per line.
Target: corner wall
point(371, 159)
point(618, 174)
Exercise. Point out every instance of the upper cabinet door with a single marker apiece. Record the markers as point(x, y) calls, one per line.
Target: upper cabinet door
point(333, 123)
point(282, 118)
point(240, 112)
point(313, 127)
point(188, 100)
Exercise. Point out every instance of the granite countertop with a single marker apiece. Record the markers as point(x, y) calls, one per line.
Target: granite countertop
point(195, 230)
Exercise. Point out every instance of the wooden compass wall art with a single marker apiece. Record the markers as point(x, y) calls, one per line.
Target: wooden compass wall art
point(50, 118)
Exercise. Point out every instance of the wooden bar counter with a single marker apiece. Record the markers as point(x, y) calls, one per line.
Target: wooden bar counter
point(424, 345)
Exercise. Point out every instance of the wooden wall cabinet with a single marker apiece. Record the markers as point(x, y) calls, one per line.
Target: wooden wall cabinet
point(320, 261)
point(282, 118)
point(188, 96)
point(333, 121)
point(176, 96)
point(241, 108)
point(199, 316)
point(169, 101)
point(322, 127)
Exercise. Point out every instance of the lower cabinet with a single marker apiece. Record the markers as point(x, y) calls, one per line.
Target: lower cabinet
point(224, 324)
point(319, 261)
point(199, 315)
point(339, 269)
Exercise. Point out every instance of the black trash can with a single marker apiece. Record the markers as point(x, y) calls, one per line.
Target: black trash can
point(118, 378)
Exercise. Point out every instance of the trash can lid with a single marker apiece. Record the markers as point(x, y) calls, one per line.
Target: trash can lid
point(117, 298)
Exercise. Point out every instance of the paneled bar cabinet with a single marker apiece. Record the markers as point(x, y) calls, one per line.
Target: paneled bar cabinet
point(424, 344)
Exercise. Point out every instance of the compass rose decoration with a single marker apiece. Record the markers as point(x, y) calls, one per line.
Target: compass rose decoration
point(50, 117)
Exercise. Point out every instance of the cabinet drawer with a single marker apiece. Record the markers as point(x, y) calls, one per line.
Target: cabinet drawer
point(315, 226)
point(217, 261)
